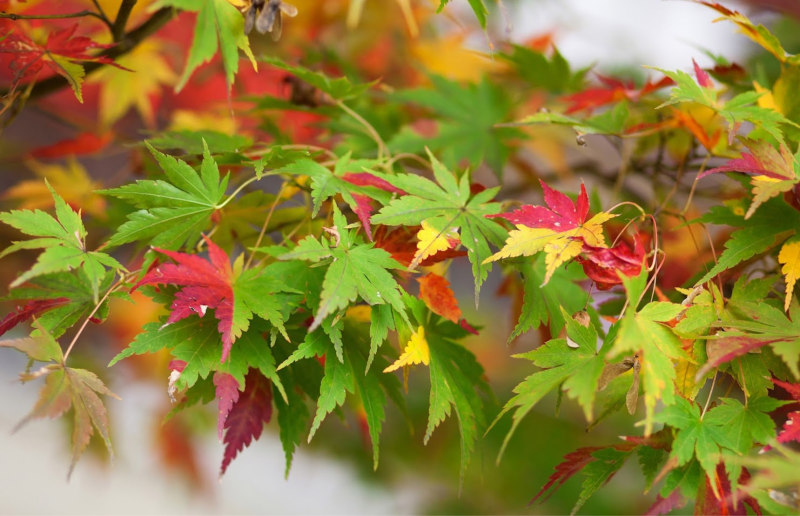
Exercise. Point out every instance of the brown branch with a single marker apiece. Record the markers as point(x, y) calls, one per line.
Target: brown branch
point(127, 43)
point(79, 14)
point(118, 29)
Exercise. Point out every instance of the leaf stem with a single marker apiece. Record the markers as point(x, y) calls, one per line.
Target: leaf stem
point(240, 188)
point(89, 317)
point(710, 392)
point(382, 150)
point(264, 226)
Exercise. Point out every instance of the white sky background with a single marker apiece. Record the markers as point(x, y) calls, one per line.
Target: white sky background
point(660, 33)
point(34, 461)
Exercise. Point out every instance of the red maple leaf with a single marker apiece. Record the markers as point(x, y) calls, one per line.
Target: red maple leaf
point(561, 214)
point(728, 502)
point(612, 90)
point(702, 76)
point(29, 310)
point(29, 58)
point(791, 428)
point(602, 265)
point(435, 291)
point(725, 349)
point(574, 462)
point(84, 143)
point(248, 416)
point(364, 206)
point(762, 160)
point(206, 284)
point(227, 393)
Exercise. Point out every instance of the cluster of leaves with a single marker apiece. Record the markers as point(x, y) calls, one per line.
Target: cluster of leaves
point(302, 302)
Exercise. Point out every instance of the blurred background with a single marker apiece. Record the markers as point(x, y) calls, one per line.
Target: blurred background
point(172, 469)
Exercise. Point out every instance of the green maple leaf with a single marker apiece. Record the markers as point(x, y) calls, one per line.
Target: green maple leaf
point(455, 375)
point(354, 270)
point(542, 304)
point(260, 292)
point(696, 436)
point(540, 71)
point(171, 212)
point(445, 205)
point(339, 88)
point(75, 290)
point(598, 472)
point(219, 26)
point(609, 122)
point(63, 240)
point(326, 183)
point(467, 123)
point(642, 331)
point(578, 369)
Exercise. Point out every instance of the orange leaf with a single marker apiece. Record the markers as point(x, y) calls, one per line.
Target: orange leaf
point(435, 291)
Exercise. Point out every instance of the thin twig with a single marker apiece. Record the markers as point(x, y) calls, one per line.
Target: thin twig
point(89, 318)
point(124, 12)
point(264, 226)
point(382, 150)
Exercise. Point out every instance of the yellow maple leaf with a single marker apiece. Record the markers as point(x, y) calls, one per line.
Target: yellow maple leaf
point(559, 247)
point(789, 257)
point(217, 119)
point(416, 352)
point(70, 180)
point(447, 56)
point(432, 240)
point(121, 90)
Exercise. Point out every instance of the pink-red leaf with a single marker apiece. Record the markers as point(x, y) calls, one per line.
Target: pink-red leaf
point(762, 160)
point(205, 284)
point(611, 91)
point(702, 76)
point(725, 349)
point(227, 392)
point(248, 416)
point(29, 310)
point(573, 462)
point(791, 429)
point(84, 143)
point(561, 214)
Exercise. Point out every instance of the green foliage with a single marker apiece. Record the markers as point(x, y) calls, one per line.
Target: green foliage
point(312, 230)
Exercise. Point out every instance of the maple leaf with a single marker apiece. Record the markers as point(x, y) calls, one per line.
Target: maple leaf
point(219, 26)
point(664, 505)
point(227, 393)
point(599, 465)
point(643, 332)
point(65, 388)
point(355, 270)
point(698, 436)
point(433, 240)
point(83, 143)
point(758, 33)
point(63, 240)
point(789, 257)
point(791, 428)
point(612, 90)
point(576, 370)
point(29, 310)
point(356, 188)
point(467, 118)
point(121, 90)
point(603, 265)
point(774, 171)
point(402, 243)
point(60, 54)
point(728, 502)
point(171, 212)
point(478, 7)
point(449, 204)
point(435, 291)
point(247, 417)
point(415, 352)
point(204, 284)
point(72, 181)
point(560, 230)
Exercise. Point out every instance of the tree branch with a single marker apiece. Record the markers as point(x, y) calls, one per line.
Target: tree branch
point(127, 43)
point(79, 14)
point(118, 29)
